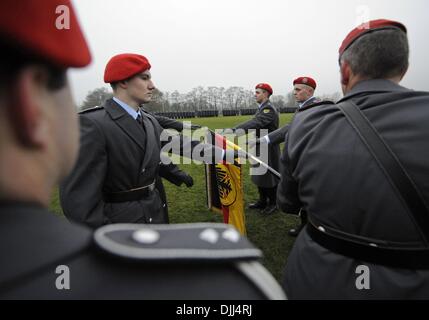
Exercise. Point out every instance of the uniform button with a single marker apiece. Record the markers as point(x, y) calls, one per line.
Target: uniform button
point(146, 236)
point(231, 235)
point(143, 170)
point(150, 220)
point(163, 205)
point(209, 235)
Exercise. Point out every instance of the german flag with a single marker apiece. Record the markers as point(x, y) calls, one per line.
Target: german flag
point(225, 188)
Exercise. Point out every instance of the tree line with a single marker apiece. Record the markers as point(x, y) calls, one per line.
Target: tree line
point(199, 99)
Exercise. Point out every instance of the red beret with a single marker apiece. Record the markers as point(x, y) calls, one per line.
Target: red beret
point(265, 86)
point(36, 27)
point(371, 26)
point(305, 80)
point(124, 66)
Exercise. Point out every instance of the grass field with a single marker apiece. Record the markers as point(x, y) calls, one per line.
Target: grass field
point(189, 205)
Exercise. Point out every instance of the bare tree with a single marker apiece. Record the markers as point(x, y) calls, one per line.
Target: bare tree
point(198, 99)
point(290, 100)
point(279, 101)
point(334, 97)
point(95, 98)
point(157, 103)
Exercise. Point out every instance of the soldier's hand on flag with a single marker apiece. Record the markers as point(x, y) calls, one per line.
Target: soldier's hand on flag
point(253, 143)
point(227, 131)
point(188, 125)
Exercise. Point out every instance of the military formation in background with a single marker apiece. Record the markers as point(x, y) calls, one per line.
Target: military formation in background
point(216, 113)
point(356, 171)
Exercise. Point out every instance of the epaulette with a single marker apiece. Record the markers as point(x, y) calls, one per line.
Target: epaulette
point(200, 241)
point(316, 104)
point(91, 109)
point(268, 108)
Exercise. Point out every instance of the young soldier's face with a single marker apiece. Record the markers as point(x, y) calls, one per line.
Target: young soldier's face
point(140, 87)
point(261, 95)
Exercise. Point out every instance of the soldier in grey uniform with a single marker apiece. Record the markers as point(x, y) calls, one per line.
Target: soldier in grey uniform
point(117, 176)
point(267, 117)
point(169, 172)
point(303, 90)
point(362, 241)
point(47, 257)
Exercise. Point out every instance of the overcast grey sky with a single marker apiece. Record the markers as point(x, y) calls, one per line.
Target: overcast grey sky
point(240, 42)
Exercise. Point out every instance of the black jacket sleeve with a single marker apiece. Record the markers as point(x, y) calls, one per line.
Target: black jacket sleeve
point(278, 136)
point(168, 123)
point(287, 191)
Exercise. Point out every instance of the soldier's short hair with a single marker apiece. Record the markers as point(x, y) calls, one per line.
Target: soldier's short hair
point(379, 55)
point(114, 85)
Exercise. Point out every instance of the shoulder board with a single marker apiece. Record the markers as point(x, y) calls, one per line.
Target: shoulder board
point(316, 104)
point(190, 243)
point(91, 109)
point(199, 241)
point(268, 108)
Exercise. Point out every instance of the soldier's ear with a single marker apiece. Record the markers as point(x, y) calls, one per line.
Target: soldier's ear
point(123, 84)
point(345, 72)
point(27, 115)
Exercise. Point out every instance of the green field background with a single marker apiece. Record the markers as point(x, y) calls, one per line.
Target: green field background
point(189, 205)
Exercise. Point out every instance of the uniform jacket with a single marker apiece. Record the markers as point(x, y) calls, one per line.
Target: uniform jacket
point(278, 136)
point(329, 172)
point(173, 174)
point(116, 154)
point(267, 117)
point(168, 123)
point(36, 247)
point(170, 172)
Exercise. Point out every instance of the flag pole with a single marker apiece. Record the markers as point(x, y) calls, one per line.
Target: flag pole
point(250, 156)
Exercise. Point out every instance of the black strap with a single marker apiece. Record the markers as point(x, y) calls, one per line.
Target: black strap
point(353, 247)
point(391, 166)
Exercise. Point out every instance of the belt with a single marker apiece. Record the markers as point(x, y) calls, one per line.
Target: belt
point(130, 195)
point(396, 255)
